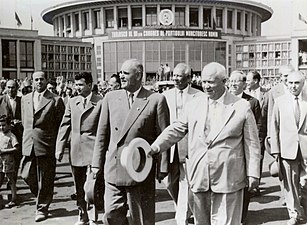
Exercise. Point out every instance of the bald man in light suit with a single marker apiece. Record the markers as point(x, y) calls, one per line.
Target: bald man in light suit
point(223, 140)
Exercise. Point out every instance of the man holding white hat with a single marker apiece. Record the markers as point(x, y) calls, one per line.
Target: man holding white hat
point(126, 114)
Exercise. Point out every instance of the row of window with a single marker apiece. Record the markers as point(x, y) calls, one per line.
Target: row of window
point(156, 52)
point(263, 47)
point(151, 18)
point(65, 49)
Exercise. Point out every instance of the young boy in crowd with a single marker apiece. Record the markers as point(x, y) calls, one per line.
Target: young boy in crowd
point(8, 144)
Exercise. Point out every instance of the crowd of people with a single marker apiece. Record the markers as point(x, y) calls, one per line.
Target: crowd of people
point(207, 143)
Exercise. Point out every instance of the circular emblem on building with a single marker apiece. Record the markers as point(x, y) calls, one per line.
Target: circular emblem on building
point(166, 17)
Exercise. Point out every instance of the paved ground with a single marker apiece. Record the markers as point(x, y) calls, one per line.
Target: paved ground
point(266, 209)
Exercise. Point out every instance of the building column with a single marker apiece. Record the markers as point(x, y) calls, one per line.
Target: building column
point(143, 15)
point(250, 24)
point(60, 26)
point(243, 21)
point(102, 20)
point(225, 20)
point(201, 16)
point(90, 21)
point(55, 27)
point(235, 21)
point(80, 24)
point(1, 55)
point(158, 12)
point(129, 14)
point(115, 18)
point(213, 16)
point(72, 25)
point(187, 18)
point(174, 11)
point(64, 25)
point(17, 58)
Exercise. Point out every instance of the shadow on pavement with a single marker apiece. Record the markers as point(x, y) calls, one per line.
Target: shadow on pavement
point(162, 195)
point(266, 215)
point(161, 216)
point(63, 212)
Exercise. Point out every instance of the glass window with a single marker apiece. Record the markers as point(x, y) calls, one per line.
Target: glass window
point(86, 20)
point(97, 19)
point(122, 53)
point(9, 57)
point(229, 19)
point(122, 18)
point(68, 21)
point(180, 16)
point(77, 22)
point(109, 51)
point(152, 55)
point(136, 17)
point(179, 52)
point(195, 54)
point(166, 52)
point(207, 18)
point(238, 20)
point(151, 16)
point(193, 17)
point(219, 18)
point(246, 21)
point(136, 50)
point(109, 18)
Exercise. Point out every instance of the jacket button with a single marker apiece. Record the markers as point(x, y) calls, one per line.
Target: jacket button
point(116, 128)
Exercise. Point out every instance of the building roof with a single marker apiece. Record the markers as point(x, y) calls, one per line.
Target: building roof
point(49, 13)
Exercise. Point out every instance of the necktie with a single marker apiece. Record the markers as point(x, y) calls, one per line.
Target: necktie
point(212, 117)
point(297, 113)
point(36, 101)
point(13, 106)
point(179, 103)
point(84, 103)
point(131, 99)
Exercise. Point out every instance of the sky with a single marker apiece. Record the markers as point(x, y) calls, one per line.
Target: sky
point(282, 23)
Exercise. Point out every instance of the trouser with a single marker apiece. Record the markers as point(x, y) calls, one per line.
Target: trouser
point(139, 199)
point(295, 186)
point(211, 208)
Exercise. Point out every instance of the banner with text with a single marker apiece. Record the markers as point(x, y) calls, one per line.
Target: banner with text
point(208, 34)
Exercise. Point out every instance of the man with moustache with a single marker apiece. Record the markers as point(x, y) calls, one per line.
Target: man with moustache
point(223, 153)
point(41, 113)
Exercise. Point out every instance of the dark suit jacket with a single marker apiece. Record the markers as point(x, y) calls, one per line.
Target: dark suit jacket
point(5, 108)
point(255, 107)
point(82, 124)
point(118, 125)
point(41, 127)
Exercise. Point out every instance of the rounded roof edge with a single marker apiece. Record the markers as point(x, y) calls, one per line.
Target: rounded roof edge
point(49, 13)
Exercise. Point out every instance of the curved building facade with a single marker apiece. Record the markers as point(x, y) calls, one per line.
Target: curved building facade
point(159, 32)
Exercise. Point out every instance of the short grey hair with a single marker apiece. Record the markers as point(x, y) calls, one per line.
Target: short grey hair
point(216, 69)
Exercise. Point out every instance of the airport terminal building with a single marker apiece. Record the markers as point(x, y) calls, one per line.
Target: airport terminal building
point(159, 32)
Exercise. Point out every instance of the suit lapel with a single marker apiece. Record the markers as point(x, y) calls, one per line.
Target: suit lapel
point(137, 108)
point(303, 110)
point(28, 104)
point(227, 112)
point(46, 98)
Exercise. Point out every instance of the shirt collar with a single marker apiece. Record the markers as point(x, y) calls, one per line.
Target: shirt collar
point(88, 98)
point(135, 93)
point(42, 93)
point(220, 99)
point(184, 91)
point(240, 95)
point(11, 97)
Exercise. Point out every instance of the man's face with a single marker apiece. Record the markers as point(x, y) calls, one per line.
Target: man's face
point(4, 126)
point(39, 81)
point(69, 92)
point(181, 80)
point(251, 82)
point(213, 86)
point(11, 88)
point(51, 88)
point(113, 85)
point(236, 84)
point(82, 88)
point(295, 84)
point(130, 77)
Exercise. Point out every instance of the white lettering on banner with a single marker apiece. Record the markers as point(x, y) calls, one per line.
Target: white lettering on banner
point(165, 33)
